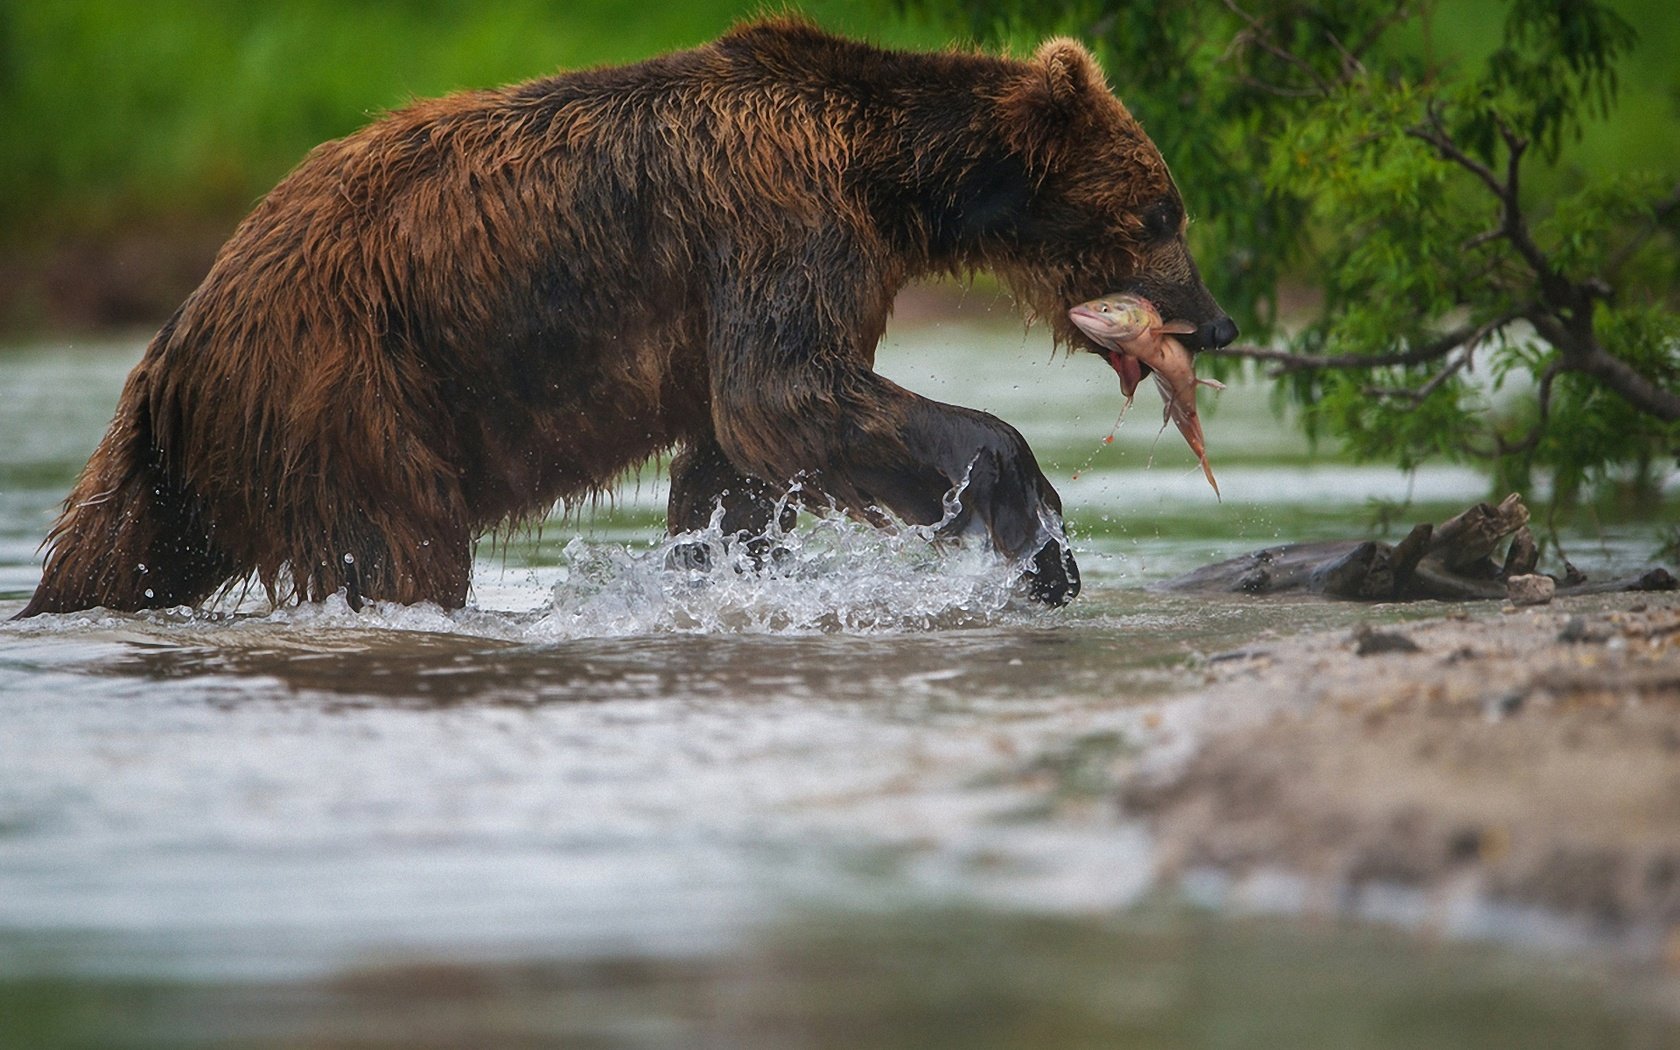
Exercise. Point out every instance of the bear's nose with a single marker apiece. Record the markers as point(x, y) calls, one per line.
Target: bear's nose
point(1219, 332)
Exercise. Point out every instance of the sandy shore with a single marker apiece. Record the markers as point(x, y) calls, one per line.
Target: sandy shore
point(1527, 757)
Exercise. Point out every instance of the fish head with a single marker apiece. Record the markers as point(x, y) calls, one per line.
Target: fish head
point(1115, 319)
point(1126, 330)
point(1114, 324)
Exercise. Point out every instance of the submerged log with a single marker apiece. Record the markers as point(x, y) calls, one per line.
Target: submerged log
point(1454, 561)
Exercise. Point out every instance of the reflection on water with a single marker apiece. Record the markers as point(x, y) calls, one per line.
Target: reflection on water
point(928, 979)
point(866, 798)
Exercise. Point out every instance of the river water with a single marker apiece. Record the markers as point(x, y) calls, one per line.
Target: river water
point(867, 799)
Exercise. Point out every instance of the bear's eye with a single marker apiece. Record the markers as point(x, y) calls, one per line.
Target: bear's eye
point(1162, 219)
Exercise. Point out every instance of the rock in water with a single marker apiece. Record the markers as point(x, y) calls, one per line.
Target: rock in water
point(1530, 589)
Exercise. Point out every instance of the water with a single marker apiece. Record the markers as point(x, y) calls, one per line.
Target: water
point(643, 806)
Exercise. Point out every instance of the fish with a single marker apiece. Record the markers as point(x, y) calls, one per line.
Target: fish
point(1132, 335)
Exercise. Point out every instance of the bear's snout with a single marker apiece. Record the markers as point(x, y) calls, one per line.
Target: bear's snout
point(1221, 331)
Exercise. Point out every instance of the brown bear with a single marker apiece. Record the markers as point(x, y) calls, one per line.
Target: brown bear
point(480, 305)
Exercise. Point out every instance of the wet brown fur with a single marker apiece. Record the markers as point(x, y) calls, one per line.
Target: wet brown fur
point(482, 304)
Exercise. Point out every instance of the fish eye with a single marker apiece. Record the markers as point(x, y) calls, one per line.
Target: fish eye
point(1105, 308)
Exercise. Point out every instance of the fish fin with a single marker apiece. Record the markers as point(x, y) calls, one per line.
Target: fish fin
point(1177, 328)
point(1130, 371)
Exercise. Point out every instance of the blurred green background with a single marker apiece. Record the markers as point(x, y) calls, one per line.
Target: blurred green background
point(135, 133)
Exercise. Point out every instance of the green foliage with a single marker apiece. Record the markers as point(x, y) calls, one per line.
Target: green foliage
point(1556, 65)
point(1489, 290)
point(111, 109)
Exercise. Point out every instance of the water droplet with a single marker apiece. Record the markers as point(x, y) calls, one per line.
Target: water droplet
point(141, 566)
point(349, 559)
point(149, 593)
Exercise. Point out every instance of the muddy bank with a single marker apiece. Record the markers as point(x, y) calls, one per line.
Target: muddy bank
point(1525, 757)
point(130, 279)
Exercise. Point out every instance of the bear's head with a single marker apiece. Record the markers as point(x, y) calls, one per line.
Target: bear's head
point(1104, 214)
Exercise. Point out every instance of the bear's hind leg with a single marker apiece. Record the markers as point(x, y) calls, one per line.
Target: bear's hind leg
point(382, 555)
point(702, 480)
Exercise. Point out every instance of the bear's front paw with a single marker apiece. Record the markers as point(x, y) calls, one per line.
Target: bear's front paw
point(1054, 576)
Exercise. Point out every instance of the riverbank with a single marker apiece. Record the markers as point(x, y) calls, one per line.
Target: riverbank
point(1429, 771)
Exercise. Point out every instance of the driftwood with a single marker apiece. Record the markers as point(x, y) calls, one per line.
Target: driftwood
point(1453, 561)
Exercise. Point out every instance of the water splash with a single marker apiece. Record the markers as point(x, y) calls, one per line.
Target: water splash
point(830, 574)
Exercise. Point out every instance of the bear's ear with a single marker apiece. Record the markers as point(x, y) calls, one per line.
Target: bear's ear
point(1058, 92)
point(1070, 73)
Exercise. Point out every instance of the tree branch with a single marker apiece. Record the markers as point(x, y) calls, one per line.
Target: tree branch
point(1261, 38)
point(1485, 237)
point(1544, 399)
point(1634, 386)
point(1421, 394)
point(1436, 135)
point(1583, 354)
point(1559, 292)
point(1352, 68)
point(1256, 84)
point(1444, 344)
point(1400, 13)
point(1661, 212)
